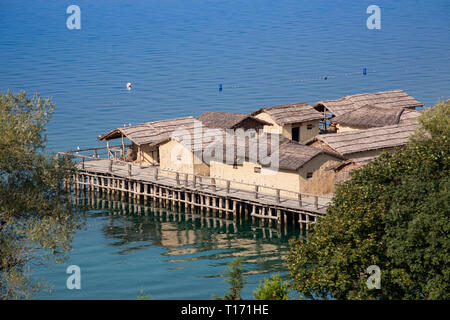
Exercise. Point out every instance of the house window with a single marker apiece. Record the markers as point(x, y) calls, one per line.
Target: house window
point(309, 175)
point(309, 126)
point(257, 169)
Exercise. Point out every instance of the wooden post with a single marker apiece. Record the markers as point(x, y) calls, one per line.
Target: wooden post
point(139, 187)
point(227, 206)
point(156, 174)
point(91, 183)
point(278, 216)
point(107, 147)
point(186, 177)
point(195, 181)
point(213, 181)
point(208, 203)
point(256, 191)
point(95, 154)
point(193, 200)
point(130, 189)
point(129, 170)
point(110, 165)
point(77, 182)
point(278, 196)
point(220, 206)
point(123, 148)
point(146, 187)
point(177, 178)
point(228, 186)
point(82, 162)
point(316, 202)
point(300, 200)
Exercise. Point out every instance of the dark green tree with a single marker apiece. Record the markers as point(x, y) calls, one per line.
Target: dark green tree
point(36, 219)
point(235, 279)
point(393, 213)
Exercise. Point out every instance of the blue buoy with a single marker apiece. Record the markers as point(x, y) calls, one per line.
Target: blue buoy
point(364, 71)
point(220, 87)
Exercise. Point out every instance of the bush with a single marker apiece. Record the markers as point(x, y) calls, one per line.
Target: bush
point(272, 289)
point(393, 213)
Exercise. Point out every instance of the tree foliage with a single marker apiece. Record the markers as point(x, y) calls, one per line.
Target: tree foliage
point(36, 219)
point(235, 279)
point(393, 213)
point(272, 289)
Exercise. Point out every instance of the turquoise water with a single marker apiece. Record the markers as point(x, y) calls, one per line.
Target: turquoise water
point(176, 53)
point(125, 247)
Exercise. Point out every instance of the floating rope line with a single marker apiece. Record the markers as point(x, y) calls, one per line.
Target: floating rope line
point(365, 72)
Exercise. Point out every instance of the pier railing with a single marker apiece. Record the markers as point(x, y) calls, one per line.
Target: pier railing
point(200, 181)
point(96, 153)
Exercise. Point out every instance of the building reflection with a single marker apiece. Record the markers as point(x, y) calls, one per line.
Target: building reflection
point(191, 235)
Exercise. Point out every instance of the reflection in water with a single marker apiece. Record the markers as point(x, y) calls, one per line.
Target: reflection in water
point(169, 253)
point(192, 235)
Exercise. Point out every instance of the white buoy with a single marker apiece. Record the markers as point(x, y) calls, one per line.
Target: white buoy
point(129, 86)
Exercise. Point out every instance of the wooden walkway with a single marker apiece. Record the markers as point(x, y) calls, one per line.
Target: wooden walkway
point(133, 181)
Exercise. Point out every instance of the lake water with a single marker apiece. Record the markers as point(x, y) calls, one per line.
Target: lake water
point(125, 247)
point(175, 54)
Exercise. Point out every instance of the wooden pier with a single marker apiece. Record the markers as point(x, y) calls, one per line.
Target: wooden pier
point(228, 199)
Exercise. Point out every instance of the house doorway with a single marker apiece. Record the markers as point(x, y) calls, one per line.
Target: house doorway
point(296, 134)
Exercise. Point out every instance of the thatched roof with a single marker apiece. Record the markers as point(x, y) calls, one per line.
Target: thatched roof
point(389, 99)
point(228, 120)
point(355, 161)
point(369, 116)
point(294, 155)
point(410, 116)
point(151, 133)
point(290, 113)
point(348, 142)
point(291, 154)
point(156, 132)
point(218, 144)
